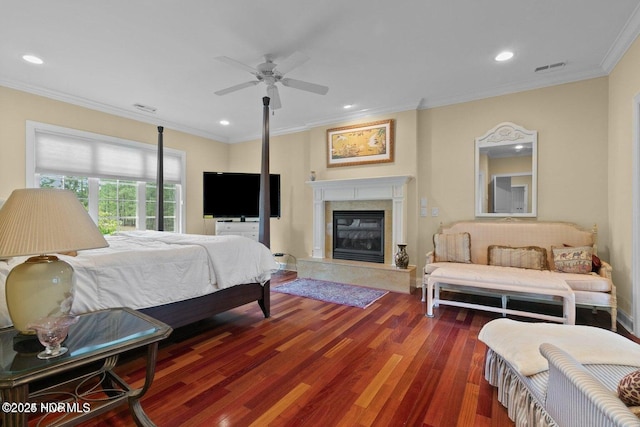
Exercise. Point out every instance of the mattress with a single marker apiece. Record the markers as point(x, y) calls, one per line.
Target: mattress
point(142, 269)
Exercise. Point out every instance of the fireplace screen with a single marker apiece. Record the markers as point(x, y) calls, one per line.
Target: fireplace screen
point(358, 235)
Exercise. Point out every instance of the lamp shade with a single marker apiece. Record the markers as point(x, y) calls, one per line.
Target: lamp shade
point(36, 221)
point(40, 221)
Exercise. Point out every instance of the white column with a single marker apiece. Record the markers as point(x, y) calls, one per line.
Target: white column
point(318, 224)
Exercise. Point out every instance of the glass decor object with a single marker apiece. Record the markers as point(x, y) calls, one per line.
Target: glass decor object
point(402, 257)
point(51, 332)
point(41, 221)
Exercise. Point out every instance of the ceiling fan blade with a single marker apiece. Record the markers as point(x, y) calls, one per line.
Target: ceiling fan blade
point(237, 64)
point(292, 61)
point(236, 87)
point(302, 85)
point(272, 92)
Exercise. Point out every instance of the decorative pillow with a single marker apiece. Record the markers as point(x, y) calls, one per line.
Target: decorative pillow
point(532, 257)
point(452, 247)
point(573, 260)
point(596, 263)
point(629, 389)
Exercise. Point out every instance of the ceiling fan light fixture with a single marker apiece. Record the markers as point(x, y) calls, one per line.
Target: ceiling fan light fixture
point(270, 74)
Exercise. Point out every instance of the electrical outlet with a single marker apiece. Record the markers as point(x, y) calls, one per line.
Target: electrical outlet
point(435, 211)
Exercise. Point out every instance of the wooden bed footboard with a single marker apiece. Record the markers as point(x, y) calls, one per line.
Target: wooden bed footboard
point(182, 313)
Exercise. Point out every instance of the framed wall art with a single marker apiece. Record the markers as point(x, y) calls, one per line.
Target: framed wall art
point(360, 144)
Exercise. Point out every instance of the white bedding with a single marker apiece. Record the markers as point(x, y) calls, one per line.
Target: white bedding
point(143, 269)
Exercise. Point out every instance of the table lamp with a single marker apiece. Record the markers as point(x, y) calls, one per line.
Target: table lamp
point(41, 221)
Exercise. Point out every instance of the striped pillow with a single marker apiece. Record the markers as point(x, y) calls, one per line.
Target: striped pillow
point(532, 257)
point(452, 247)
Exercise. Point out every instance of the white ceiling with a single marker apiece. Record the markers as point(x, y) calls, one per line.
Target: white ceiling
point(381, 56)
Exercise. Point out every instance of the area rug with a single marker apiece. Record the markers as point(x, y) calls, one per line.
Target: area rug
point(338, 293)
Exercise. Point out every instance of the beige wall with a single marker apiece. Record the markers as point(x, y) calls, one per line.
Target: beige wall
point(289, 157)
point(571, 121)
point(436, 147)
point(295, 155)
point(624, 85)
point(17, 107)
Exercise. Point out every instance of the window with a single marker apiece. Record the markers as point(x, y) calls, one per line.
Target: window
point(113, 178)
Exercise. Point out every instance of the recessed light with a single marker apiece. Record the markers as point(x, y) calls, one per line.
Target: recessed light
point(347, 106)
point(33, 59)
point(224, 122)
point(504, 56)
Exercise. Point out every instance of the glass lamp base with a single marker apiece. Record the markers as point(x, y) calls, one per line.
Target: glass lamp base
point(40, 287)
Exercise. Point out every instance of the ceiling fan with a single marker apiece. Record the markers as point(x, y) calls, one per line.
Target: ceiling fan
point(271, 73)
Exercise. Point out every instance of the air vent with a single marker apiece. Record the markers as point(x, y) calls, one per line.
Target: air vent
point(145, 108)
point(551, 67)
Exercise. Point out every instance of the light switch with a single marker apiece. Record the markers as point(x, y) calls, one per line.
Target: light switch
point(435, 211)
point(423, 202)
point(423, 212)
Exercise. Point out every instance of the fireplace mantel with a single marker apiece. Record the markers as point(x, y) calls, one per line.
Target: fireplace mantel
point(379, 188)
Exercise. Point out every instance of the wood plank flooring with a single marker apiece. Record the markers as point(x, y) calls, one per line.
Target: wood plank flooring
point(321, 364)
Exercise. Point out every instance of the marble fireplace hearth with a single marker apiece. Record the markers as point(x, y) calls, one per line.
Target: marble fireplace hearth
point(388, 193)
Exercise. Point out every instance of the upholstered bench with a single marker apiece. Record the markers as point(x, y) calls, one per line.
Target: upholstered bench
point(514, 364)
point(506, 281)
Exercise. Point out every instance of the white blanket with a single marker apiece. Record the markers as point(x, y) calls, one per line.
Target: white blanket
point(234, 259)
point(519, 342)
point(147, 268)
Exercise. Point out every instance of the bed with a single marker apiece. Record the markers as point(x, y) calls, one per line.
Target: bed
point(176, 278)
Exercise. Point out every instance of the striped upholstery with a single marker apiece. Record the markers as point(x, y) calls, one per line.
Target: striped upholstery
point(575, 398)
point(519, 233)
point(535, 401)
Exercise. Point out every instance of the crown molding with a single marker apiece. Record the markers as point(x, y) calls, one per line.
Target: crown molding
point(548, 81)
point(108, 109)
point(625, 38)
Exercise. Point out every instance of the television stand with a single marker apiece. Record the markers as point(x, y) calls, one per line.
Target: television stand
point(238, 228)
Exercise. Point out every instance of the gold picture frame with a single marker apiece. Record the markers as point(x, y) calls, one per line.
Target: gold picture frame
point(361, 144)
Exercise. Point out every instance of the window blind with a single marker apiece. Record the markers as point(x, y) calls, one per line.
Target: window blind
point(68, 154)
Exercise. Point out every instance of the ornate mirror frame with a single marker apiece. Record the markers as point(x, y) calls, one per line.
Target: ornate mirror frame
point(506, 167)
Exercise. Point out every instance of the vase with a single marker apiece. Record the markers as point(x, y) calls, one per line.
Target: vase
point(402, 258)
point(312, 176)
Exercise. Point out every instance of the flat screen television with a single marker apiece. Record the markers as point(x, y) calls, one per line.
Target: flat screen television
point(237, 195)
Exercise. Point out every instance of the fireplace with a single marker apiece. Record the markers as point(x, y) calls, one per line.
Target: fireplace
point(358, 235)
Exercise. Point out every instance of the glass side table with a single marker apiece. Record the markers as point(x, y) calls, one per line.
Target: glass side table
point(69, 391)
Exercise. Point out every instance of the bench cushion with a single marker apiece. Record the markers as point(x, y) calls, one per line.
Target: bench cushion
point(518, 343)
point(587, 282)
point(577, 282)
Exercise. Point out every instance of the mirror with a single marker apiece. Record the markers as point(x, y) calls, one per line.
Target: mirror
point(506, 165)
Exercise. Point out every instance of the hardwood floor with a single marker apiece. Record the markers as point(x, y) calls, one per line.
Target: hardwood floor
point(321, 364)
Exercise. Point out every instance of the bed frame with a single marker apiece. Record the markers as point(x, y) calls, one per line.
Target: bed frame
point(182, 313)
